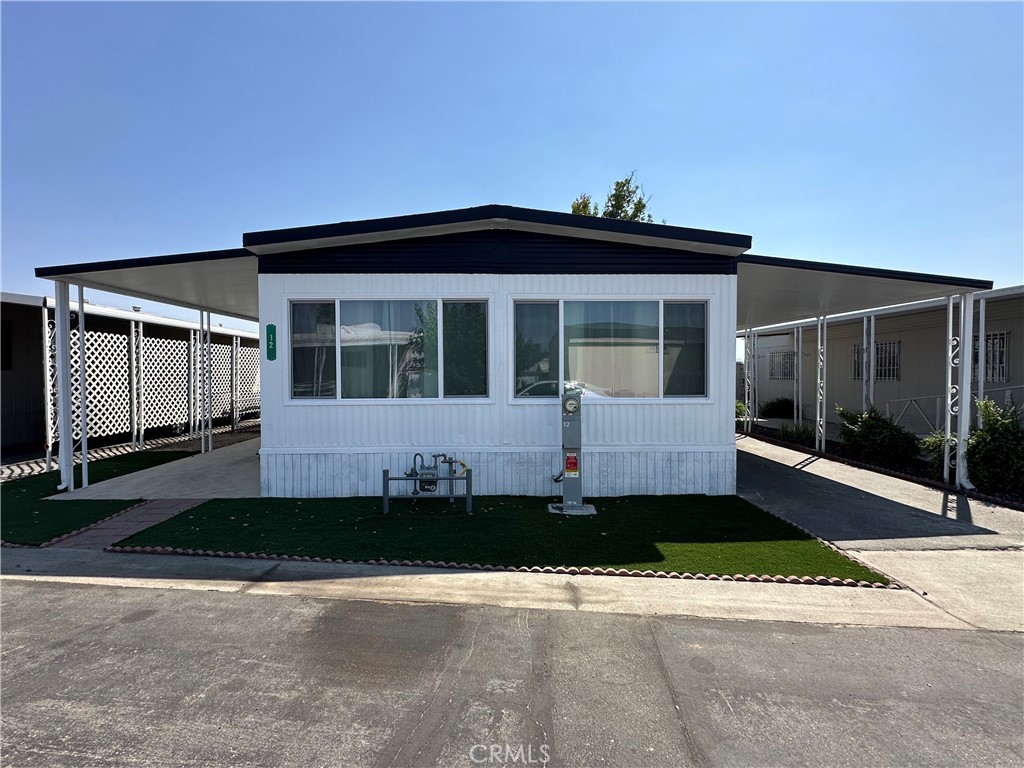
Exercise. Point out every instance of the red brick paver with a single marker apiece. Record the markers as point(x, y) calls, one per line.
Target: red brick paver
point(126, 524)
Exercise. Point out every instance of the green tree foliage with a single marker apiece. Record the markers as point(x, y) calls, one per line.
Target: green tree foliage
point(626, 201)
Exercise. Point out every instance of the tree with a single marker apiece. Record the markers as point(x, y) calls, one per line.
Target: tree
point(626, 200)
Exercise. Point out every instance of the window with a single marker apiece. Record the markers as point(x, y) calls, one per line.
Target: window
point(314, 369)
point(996, 346)
point(887, 361)
point(611, 348)
point(388, 349)
point(465, 348)
point(536, 353)
point(686, 349)
point(781, 364)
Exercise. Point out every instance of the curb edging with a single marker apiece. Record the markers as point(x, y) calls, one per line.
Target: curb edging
point(562, 570)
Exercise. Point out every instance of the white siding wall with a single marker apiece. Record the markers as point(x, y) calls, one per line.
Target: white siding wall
point(338, 448)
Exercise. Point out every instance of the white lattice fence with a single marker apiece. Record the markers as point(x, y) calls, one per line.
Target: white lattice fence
point(221, 363)
point(248, 380)
point(165, 382)
point(106, 371)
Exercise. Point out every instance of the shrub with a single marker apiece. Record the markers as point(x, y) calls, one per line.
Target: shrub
point(779, 408)
point(741, 410)
point(801, 434)
point(995, 451)
point(871, 436)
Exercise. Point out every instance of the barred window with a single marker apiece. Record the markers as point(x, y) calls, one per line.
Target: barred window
point(996, 349)
point(887, 361)
point(781, 364)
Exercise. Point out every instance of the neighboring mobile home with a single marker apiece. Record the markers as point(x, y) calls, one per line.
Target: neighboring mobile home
point(910, 355)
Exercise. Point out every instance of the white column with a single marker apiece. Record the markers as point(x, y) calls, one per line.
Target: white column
point(747, 409)
point(142, 386)
point(863, 365)
point(800, 374)
point(754, 395)
point(819, 403)
point(871, 359)
point(83, 388)
point(982, 353)
point(963, 421)
point(952, 350)
point(65, 459)
point(796, 381)
point(48, 389)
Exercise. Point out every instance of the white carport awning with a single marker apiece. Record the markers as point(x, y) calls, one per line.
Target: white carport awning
point(774, 291)
point(770, 290)
point(224, 282)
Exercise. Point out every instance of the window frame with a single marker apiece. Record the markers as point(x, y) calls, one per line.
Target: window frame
point(285, 350)
point(710, 328)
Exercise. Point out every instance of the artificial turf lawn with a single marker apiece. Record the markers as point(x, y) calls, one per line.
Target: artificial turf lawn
point(27, 517)
point(699, 534)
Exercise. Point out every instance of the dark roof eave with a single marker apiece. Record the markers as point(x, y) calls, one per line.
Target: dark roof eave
point(145, 261)
point(846, 269)
point(488, 212)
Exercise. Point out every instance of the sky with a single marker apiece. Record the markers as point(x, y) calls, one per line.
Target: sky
point(885, 135)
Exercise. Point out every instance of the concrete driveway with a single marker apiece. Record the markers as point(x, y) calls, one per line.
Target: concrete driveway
point(965, 556)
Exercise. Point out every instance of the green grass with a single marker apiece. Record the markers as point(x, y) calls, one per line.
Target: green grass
point(699, 534)
point(28, 517)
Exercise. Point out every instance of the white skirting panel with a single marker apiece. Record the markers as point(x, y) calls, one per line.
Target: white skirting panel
point(520, 473)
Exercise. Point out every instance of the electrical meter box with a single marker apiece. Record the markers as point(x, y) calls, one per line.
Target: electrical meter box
point(571, 474)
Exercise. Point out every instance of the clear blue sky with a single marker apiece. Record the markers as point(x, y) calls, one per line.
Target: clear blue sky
point(875, 134)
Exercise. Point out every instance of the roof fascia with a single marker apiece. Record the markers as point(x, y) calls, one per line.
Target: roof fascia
point(968, 283)
point(58, 271)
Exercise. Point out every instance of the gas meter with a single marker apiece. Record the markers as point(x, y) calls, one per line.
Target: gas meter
point(571, 475)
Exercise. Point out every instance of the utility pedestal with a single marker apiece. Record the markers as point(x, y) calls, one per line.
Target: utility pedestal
point(571, 476)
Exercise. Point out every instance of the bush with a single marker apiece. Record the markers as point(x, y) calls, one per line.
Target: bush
point(800, 434)
point(779, 408)
point(874, 438)
point(995, 451)
point(741, 410)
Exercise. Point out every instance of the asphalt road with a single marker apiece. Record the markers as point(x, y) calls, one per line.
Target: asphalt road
point(97, 676)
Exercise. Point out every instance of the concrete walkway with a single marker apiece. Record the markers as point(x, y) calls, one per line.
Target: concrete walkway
point(127, 524)
point(231, 472)
point(962, 555)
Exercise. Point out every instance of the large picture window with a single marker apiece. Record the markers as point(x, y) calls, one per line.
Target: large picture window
point(610, 349)
point(388, 349)
point(313, 334)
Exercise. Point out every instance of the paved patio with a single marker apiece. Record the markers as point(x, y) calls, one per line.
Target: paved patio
point(231, 472)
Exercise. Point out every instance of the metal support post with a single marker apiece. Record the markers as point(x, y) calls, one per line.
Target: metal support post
point(864, 364)
point(234, 383)
point(982, 354)
point(871, 359)
point(819, 411)
point(747, 409)
point(83, 388)
point(755, 377)
point(65, 459)
point(799, 401)
point(49, 371)
point(190, 396)
point(963, 422)
point(952, 390)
